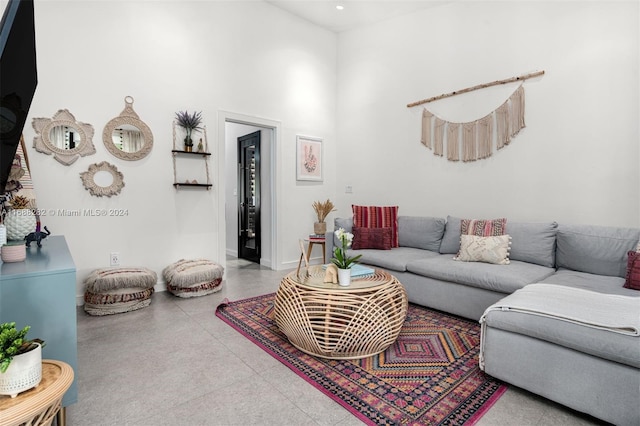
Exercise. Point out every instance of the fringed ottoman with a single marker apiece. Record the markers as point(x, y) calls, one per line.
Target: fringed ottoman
point(191, 278)
point(117, 290)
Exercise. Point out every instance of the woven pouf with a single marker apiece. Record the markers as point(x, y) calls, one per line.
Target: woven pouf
point(191, 278)
point(117, 290)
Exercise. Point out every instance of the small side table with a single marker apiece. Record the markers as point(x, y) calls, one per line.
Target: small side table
point(38, 406)
point(313, 242)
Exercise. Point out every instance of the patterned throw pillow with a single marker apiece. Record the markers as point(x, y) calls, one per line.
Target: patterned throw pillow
point(371, 238)
point(483, 227)
point(632, 280)
point(377, 217)
point(484, 249)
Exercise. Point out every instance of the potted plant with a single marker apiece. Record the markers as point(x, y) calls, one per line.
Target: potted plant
point(340, 258)
point(189, 122)
point(20, 360)
point(322, 211)
point(20, 219)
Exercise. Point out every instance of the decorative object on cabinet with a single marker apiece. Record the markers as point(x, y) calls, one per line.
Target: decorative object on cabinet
point(322, 210)
point(203, 148)
point(107, 184)
point(126, 136)
point(20, 219)
point(64, 137)
point(14, 251)
point(20, 360)
point(37, 236)
point(308, 158)
point(190, 123)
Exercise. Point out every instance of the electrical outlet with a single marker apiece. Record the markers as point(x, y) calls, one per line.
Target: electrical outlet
point(348, 189)
point(115, 258)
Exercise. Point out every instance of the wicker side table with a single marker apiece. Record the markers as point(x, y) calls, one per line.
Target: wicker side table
point(334, 322)
point(38, 406)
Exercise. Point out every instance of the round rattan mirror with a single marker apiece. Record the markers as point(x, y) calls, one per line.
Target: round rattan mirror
point(102, 180)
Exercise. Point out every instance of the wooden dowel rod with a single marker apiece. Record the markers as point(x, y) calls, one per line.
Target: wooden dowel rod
point(479, 86)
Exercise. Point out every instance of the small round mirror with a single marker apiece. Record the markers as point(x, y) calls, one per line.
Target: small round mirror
point(102, 180)
point(64, 137)
point(128, 138)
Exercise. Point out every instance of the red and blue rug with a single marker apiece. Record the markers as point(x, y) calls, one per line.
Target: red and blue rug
point(429, 376)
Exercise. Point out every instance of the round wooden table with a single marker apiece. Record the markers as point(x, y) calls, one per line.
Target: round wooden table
point(39, 405)
point(330, 321)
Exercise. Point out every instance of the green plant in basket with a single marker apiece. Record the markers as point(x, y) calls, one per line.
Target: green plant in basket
point(13, 342)
point(340, 258)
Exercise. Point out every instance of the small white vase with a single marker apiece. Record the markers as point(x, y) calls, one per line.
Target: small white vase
point(24, 373)
point(344, 277)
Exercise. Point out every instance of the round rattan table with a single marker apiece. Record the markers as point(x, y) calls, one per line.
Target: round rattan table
point(335, 322)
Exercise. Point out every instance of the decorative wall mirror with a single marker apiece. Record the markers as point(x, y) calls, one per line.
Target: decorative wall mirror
point(64, 137)
point(126, 136)
point(102, 179)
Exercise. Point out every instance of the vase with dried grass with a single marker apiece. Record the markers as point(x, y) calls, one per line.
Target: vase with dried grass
point(322, 210)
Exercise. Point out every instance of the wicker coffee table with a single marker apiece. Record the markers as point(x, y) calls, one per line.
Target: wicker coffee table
point(330, 321)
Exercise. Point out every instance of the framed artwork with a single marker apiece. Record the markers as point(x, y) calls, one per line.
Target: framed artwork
point(308, 158)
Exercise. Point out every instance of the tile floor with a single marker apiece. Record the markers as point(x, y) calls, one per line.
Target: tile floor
point(175, 363)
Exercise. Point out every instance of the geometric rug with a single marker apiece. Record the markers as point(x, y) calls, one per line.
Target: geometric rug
point(429, 376)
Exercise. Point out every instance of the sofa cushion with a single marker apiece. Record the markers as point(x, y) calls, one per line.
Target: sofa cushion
point(377, 217)
point(371, 238)
point(595, 249)
point(345, 223)
point(601, 343)
point(484, 249)
point(587, 281)
point(500, 278)
point(420, 232)
point(632, 279)
point(451, 239)
point(533, 242)
point(395, 259)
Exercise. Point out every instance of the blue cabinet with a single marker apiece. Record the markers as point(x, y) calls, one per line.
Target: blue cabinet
point(41, 292)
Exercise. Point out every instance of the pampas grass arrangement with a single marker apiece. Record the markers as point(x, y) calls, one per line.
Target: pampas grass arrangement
point(323, 209)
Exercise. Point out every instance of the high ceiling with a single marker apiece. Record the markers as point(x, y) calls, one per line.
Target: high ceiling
point(356, 13)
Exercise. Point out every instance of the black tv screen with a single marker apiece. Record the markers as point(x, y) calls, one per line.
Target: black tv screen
point(18, 78)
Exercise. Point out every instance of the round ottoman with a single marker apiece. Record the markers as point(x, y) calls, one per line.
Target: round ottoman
point(191, 278)
point(117, 290)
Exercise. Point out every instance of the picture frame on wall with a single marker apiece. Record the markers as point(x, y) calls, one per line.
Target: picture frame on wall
point(308, 158)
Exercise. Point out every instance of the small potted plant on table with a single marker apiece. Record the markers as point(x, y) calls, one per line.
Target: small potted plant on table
point(340, 258)
point(20, 360)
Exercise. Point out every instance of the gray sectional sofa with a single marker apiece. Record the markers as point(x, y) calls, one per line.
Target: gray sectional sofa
point(555, 321)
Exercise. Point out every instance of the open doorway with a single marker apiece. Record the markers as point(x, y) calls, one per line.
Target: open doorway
point(235, 126)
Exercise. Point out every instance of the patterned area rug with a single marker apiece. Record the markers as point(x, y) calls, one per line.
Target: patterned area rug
point(429, 376)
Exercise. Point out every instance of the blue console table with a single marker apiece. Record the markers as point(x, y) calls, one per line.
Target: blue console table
point(41, 292)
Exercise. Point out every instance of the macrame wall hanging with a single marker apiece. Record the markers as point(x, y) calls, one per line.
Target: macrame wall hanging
point(473, 140)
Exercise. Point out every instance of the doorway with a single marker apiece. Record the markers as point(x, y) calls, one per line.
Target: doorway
point(249, 230)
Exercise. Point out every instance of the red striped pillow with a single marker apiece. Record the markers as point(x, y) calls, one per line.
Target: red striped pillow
point(377, 217)
point(483, 227)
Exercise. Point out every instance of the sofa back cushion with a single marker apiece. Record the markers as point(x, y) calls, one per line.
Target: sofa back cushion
point(530, 242)
point(420, 232)
point(345, 223)
point(597, 250)
point(533, 242)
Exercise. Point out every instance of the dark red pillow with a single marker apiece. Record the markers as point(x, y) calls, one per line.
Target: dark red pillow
point(373, 238)
point(633, 270)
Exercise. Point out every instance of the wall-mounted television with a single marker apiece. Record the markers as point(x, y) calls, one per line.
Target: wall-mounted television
point(18, 78)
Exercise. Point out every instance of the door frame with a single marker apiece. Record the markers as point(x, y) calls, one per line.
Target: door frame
point(274, 182)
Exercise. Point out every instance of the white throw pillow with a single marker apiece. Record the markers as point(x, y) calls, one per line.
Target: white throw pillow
point(484, 249)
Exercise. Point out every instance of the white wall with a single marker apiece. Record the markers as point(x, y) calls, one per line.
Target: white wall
point(247, 57)
point(578, 158)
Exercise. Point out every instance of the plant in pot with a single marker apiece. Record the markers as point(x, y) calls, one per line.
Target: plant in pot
point(189, 122)
point(340, 258)
point(322, 211)
point(20, 219)
point(20, 360)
